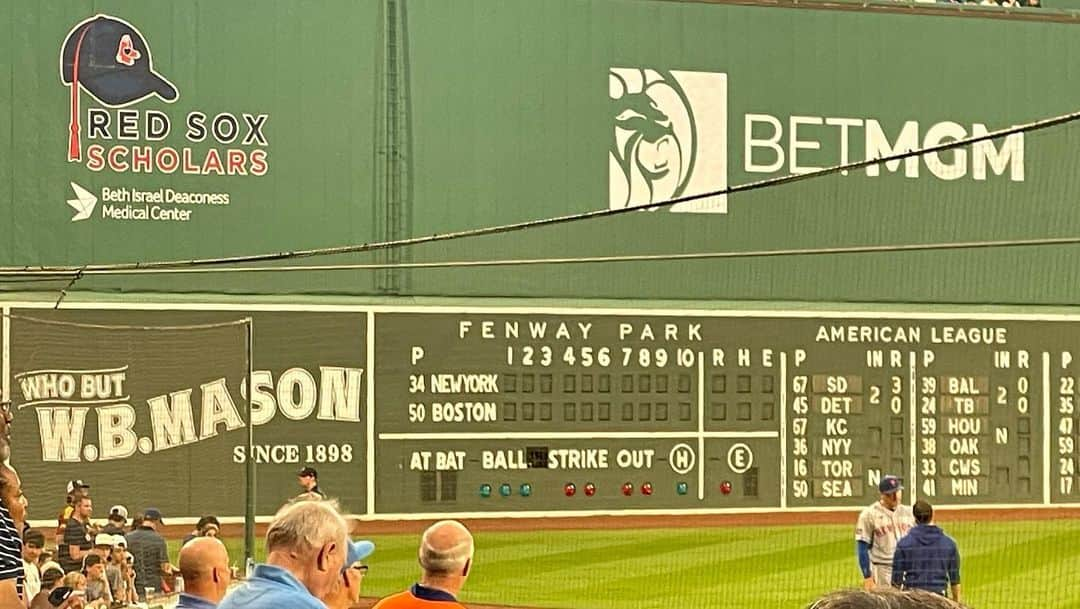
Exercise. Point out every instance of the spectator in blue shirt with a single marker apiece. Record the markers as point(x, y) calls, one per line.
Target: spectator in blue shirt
point(306, 546)
point(204, 564)
point(926, 558)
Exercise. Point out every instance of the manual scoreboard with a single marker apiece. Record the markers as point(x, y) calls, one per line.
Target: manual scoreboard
point(479, 412)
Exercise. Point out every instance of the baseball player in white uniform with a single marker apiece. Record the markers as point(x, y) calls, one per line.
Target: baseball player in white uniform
point(880, 526)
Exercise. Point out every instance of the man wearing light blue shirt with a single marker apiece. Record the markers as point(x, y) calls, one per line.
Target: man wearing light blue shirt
point(307, 546)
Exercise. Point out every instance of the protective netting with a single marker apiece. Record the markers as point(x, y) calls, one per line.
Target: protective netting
point(148, 415)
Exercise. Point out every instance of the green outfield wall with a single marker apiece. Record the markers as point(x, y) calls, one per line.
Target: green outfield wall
point(530, 410)
point(223, 129)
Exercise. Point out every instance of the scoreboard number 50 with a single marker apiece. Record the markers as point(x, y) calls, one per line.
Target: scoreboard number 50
point(417, 413)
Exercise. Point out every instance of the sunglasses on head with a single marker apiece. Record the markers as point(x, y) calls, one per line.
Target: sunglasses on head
point(361, 569)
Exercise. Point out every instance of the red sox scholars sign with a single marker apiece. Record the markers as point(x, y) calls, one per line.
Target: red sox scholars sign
point(111, 60)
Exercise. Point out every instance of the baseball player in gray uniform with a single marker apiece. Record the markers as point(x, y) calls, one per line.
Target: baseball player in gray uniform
point(880, 526)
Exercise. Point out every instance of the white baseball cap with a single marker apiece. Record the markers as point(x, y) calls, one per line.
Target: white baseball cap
point(104, 539)
point(119, 510)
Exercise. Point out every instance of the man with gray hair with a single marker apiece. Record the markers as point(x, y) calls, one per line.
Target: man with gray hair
point(306, 546)
point(446, 552)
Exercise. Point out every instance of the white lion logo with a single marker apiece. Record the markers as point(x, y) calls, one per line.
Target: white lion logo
point(656, 147)
point(654, 138)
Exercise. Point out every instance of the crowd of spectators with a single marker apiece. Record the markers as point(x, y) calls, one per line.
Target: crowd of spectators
point(117, 563)
point(311, 562)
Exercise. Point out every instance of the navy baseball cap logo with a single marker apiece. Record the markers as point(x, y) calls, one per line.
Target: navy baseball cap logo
point(890, 484)
point(110, 60)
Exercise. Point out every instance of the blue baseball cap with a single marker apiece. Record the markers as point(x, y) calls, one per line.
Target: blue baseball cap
point(889, 485)
point(358, 550)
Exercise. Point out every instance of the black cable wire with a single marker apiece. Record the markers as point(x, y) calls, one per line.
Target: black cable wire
point(616, 258)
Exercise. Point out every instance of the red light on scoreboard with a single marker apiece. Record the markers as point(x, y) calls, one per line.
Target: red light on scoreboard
point(725, 487)
point(628, 488)
point(646, 489)
point(590, 489)
point(570, 489)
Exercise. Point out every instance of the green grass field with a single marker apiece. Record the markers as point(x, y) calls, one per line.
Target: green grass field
point(1011, 565)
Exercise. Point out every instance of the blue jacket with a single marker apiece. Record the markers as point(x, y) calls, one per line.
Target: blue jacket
point(926, 558)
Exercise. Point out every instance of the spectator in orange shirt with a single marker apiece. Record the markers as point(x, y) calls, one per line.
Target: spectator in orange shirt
point(446, 552)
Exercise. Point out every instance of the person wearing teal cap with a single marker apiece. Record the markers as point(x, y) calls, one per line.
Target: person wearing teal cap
point(346, 592)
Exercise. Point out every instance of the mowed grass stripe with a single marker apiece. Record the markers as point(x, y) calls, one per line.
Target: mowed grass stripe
point(625, 576)
point(775, 558)
point(728, 568)
point(525, 548)
point(611, 556)
point(585, 582)
point(709, 547)
point(797, 587)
